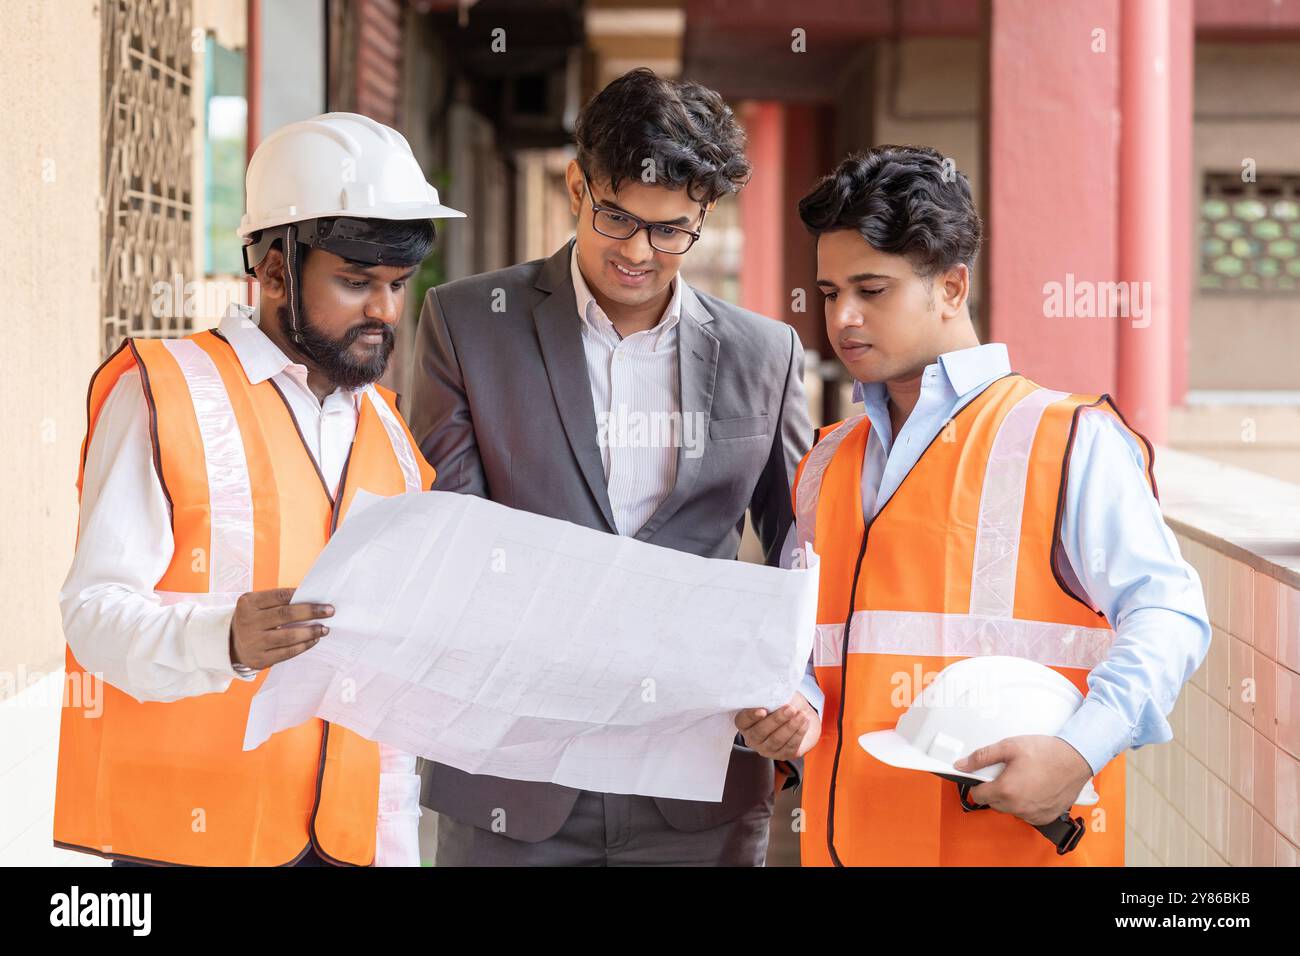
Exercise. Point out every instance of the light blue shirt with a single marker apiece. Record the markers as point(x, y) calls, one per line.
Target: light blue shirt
point(1119, 550)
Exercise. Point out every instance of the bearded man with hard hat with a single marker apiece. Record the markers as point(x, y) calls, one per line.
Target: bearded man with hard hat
point(214, 470)
point(1000, 599)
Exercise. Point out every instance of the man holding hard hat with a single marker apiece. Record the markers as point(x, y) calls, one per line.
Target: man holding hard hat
point(973, 525)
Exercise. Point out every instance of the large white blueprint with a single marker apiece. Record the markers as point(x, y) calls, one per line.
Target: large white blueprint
point(507, 643)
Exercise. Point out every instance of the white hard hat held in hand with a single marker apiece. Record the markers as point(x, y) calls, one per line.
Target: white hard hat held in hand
point(336, 164)
point(973, 703)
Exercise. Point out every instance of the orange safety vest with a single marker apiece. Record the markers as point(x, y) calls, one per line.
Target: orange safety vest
point(169, 782)
point(961, 561)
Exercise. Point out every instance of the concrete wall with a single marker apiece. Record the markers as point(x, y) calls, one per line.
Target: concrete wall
point(1247, 106)
point(928, 94)
point(50, 247)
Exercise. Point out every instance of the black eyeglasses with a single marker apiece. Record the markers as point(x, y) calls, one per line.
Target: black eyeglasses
point(617, 224)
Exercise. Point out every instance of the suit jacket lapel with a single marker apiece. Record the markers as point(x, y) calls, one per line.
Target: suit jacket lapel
point(697, 356)
point(560, 334)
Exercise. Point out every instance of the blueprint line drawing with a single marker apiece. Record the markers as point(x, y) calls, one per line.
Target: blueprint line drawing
point(507, 643)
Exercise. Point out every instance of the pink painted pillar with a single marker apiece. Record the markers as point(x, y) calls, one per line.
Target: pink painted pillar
point(1145, 236)
point(1051, 193)
point(761, 213)
point(1184, 195)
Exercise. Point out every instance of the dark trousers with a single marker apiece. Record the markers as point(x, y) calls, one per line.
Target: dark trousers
point(609, 829)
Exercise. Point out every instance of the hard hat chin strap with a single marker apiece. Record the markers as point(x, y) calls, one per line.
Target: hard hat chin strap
point(291, 261)
point(1064, 832)
point(293, 255)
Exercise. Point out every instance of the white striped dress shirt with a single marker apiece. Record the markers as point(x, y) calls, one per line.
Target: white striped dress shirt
point(636, 391)
point(113, 620)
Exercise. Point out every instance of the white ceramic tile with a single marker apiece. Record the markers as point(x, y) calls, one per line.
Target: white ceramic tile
point(1196, 795)
point(1265, 692)
point(1286, 700)
point(1217, 757)
point(1197, 722)
point(1241, 756)
point(1265, 768)
point(1240, 817)
point(1286, 795)
point(1285, 853)
point(1241, 599)
point(1216, 814)
point(1263, 839)
point(1288, 628)
point(1218, 679)
point(1241, 673)
point(1265, 615)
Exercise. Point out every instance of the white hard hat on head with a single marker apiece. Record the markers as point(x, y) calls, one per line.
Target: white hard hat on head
point(336, 164)
point(973, 703)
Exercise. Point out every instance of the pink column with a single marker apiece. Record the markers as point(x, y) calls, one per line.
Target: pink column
point(761, 212)
point(1184, 195)
point(1051, 193)
point(1145, 216)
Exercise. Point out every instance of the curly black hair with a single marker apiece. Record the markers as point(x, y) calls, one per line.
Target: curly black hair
point(686, 129)
point(903, 200)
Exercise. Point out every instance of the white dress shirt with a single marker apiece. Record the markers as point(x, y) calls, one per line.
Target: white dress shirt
point(640, 375)
point(635, 388)
point(113, 620)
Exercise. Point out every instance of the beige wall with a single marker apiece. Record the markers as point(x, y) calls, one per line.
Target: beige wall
point(1262, 438)
point(50, 247)
point(928, 94)
point(1247, 106)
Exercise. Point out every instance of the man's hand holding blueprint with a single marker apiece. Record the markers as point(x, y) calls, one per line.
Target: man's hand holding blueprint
point(502, 642)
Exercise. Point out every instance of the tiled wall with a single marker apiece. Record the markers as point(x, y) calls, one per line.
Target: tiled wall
point(1226, 790)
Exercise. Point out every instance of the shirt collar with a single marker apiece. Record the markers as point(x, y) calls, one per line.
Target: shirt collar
point(593, 315)
point(963, 371)
point(260, 357)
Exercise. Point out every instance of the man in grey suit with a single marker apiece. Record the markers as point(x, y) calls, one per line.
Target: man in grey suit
point(596, 386)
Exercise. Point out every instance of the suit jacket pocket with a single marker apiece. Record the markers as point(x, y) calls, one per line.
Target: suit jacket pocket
point(753, 427)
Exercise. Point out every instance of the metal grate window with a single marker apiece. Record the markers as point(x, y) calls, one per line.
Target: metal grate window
point(1250, 233)
point(147, 206)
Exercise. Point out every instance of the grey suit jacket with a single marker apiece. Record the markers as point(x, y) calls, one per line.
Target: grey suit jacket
point(501, 407)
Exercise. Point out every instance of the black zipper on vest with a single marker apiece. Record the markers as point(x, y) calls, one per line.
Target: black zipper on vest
point(844, 684)
point(325, 733)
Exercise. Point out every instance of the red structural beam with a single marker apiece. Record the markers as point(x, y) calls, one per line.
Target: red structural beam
point(1146, 224)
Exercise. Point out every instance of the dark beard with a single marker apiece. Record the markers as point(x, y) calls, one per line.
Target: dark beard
point(332, 356)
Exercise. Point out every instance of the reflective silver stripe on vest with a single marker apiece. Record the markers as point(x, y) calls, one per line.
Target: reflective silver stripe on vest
point(230, 493)
point(989, 628)
point(1002, 504)
point(924, 634)
point(397, 437)
point(206, 598)
point(809, 488)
